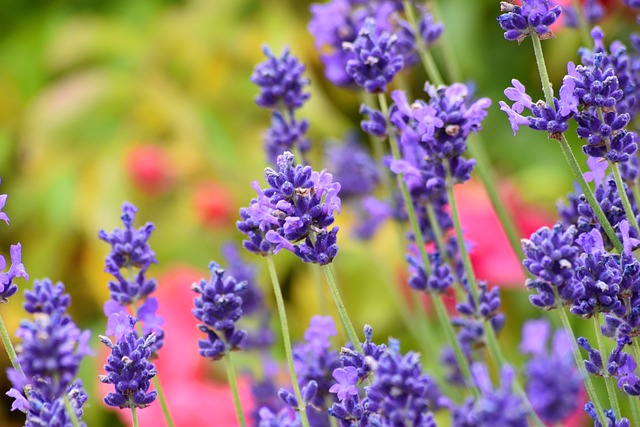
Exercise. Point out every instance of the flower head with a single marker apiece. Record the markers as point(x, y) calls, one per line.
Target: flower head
point(533, 16)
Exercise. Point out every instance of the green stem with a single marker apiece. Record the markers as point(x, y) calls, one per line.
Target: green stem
point(342, 310)
point(156, 380)
point(11, 352)
point(322, 297)
point(449, 60)
point(628, 210)
point(441, 311)
point(70, 411)
point(608, 379)
point(591, 391)
point(231, 375)
point(425, 55)
point(134, 416)
point(577, 174)
point(566, 150)
point(286, 338)
point(583, 25)
point(498, 357)
point(542, 70)
point(163, 401)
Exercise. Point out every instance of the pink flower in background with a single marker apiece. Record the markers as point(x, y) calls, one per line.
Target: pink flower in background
point(150, 168)
point(492, 257)
point(213, 205)
point(183, 373)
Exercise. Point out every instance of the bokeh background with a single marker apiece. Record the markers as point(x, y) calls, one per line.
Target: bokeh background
point(150, 102)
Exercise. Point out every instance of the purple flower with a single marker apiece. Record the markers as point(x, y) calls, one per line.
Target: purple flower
point(120, 324)
point(352, 166)
point(129, 370)
point(553, 384)
point(46, 298)
point(7, 287)
point(3, 216)
point(42, 410)
point(376, 125)
point(375, 62)
point(500, 406)
point(597, 170)
point(628, 242)
point(592, 10)
point(533, 16)
point(219, 307)
point(346, 378)
point(280, 80)
point(297, 208)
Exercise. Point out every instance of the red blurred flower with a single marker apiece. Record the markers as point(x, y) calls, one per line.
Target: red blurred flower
point(150, 169)
point(213, 204)
point(492, 257)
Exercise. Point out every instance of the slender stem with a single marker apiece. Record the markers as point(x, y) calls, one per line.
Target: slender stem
point(583, 25)
point(542, 69)
point(11, 352)
point(163, 401)
point(595, 206)
point(231, 375)
point(134, 415)
point(342, 310)
point(449, 60)
point(286, 338)
point(425, 55)
point(566, 150)
point(320, 290)
point(464, 254)
point(634, 401)
point(498, 357)
point(441, 311)
point(411, 212)
point(156, 379)
point(591, 391)
point(608, 379)
point(628, 210)
point(463, 363)
point(71, 411)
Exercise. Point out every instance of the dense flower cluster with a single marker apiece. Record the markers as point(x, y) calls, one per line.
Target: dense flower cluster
point(298, 207)
point(218, 307)
point(282, 86)
point(533, 16)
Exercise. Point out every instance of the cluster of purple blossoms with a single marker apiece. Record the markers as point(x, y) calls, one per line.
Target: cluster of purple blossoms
point(553, 384)
point(343, 36)
point(592, 11)
point(219, 307)
point(533, 16)
point(294, 213)
point(352, 166)
point(129, 370)
point(473, 319)
point(375, 62)
point(399, 393)
point(128, 366)
point(553, 119)
point(50, 352)
point(282, 84)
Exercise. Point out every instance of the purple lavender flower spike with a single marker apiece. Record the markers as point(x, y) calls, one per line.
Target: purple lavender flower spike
point(51, 351)
point(46, 298)
point(296, 209)
point(129, 250)
point(375, 62)
point(609, 414)
point(352, 166)
point(533, 16)
point(500, 406)
point(553, 384)
point(219, 307)
point(280, 80)
point(41, 410)
point(129, 370)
